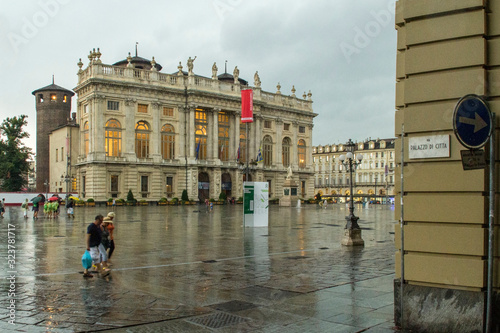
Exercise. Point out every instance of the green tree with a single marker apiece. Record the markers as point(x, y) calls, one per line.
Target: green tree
point(14, 156)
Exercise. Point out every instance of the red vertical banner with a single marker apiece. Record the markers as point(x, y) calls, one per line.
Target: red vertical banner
point(247, 106)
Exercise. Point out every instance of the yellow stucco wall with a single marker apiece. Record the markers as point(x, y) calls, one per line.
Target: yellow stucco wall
point(446, 49)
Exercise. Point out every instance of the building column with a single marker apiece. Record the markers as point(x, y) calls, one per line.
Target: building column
point(128, 135)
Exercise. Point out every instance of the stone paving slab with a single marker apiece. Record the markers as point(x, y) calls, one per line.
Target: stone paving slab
point(180, 270)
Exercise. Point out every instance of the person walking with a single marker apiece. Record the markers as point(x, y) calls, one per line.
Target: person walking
point(105, 238)
point(2, 207)
point(93, 240)
point(111, 229)
point(70, 206)
point(24, 207)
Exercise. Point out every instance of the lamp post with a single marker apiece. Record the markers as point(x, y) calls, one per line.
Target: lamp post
point(352, 231)
point(66, 179)
point(46, 188)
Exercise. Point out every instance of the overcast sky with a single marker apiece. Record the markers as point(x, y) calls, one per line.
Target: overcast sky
point(344, 51)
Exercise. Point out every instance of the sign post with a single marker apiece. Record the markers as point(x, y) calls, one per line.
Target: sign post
point(473, 125)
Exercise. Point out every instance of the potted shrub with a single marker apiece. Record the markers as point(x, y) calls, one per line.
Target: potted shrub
point(90, 202)
point(130, 198)
point(222, 198)
point(240, 200)
point(143, 202)
point(175, 201)
point(120, 202)
point(109, 202)
point(80, 203)
point(185, 198)
point(163, 201)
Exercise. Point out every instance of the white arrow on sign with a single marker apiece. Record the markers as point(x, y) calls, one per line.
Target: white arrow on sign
point(478, 122)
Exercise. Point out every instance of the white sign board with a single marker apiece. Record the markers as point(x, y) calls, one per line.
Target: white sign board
point(255, 204)
point(433, 146)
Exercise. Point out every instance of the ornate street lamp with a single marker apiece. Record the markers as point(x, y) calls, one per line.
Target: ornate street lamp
point(46, 188)
point(67, 179)
point(352, 231)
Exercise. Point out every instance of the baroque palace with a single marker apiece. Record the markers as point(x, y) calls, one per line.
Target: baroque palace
point(373, 178)
point(158, 134)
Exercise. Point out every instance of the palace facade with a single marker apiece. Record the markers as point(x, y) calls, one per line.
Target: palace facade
point(158, 134)
point(373, 178)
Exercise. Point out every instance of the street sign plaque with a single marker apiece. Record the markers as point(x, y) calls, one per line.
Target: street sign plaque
point(473, 159)
point(472, 122)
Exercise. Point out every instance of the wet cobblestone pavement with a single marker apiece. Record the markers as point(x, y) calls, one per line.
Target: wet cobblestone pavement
point(182, 269)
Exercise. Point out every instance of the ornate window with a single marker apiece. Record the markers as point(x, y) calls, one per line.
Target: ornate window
point(113, 105)
point(113, 138)
point(301, 152)
point(142, 108)
point(167, 111)
point(285, 145)
point(113, 182)
point(200, 126)
point(268, 150)
point(86, 138)
point(242, 149)
point(167, 142)
point(223, 136)
point(142, 134)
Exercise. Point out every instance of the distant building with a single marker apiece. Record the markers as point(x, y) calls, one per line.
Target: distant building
point(374, 177)
point(53, 108)
point(158, 134)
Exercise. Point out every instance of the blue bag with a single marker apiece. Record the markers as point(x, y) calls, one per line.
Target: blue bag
point(86, 260)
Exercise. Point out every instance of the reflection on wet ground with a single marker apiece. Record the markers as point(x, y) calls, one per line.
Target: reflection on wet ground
point(182, 269)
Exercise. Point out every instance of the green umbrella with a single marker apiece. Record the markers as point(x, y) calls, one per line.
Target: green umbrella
point(36, 199)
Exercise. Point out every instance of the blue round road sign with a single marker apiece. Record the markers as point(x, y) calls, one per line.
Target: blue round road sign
point(472, 121)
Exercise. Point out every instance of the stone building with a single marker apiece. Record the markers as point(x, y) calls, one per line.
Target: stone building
point(374, 177)
point(447, 258)
point(53, 108)
point(158, 134)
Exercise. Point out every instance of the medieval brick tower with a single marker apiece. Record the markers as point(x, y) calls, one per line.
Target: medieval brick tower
point(53, 109)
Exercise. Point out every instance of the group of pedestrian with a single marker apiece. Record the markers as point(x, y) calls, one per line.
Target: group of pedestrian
point(209, 205)
point(51, 209)
point(100, 243)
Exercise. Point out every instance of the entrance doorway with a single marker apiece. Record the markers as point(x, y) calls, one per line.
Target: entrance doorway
point(203, 186)
point(226, 185)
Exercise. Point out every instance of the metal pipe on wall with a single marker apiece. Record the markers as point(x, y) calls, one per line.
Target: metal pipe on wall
point(491, 230)
point(402, 224)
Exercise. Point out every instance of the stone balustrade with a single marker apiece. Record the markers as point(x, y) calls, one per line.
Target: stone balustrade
point(134, 75)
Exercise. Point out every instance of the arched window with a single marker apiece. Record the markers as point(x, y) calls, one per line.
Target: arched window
point(268, 150)
point(285, 145)
point(142, 139)
point(242, 148)
point(167, 142)
point(113, 138)
point(301, 151)
point(86, 138)
point(200, 125)
point(223, 136)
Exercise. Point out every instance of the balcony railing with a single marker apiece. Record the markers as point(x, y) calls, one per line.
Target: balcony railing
point(99, 70)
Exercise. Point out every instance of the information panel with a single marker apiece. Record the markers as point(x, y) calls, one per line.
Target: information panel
point(256, 204)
